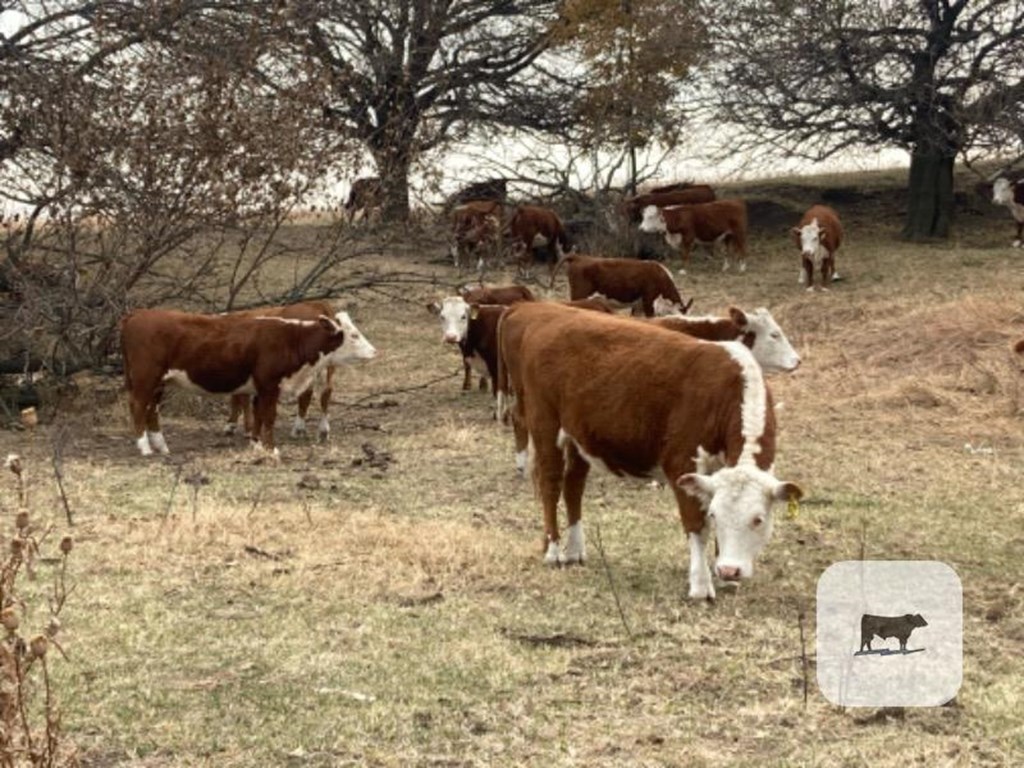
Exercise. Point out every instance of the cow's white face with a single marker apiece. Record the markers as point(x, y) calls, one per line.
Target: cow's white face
point(355, 347)
point(739, 500)
point(1002, 192)
point(810, 236)
point(771, 349)
point(653, 220)
point(454, 319)
point(667, 308)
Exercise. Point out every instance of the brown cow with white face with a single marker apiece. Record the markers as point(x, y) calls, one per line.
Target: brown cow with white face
point(706, 223)
point(818, 235)
point(645, 402)
point(1011, 194)
point(627, 282)
point(221, 355)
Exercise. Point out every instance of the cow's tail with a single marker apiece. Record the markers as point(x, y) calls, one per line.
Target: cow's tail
point(503, 401)
point(124, 355)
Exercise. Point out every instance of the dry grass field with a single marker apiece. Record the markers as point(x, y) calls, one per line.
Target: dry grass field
point(381, 600)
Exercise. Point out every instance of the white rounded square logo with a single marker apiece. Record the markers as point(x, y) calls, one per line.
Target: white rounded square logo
point(889, 633)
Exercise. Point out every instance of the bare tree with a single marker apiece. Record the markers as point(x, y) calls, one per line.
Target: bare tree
point(407, 76)
point(814, 77)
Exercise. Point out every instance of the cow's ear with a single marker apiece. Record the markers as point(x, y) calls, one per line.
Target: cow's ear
point(786, 491)
point(329, 325)
point(738, 316)
point(434, 308)
point(701, 487)
point(821, 235)
point(795, 231)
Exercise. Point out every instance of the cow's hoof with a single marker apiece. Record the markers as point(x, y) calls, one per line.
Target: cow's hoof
point(1017, 243)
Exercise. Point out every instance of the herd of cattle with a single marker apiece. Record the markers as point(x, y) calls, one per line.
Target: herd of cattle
point(666, 396)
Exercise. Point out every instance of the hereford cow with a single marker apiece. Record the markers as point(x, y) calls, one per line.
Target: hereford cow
point(710, 223)
point(534, 227)
point(642, 401)
point(355, 347)
point(633, 207)
point(366, 194)
point(476, 229)
point(625, 281)
point(899, 627)
point(1011, 194)
point(496, 294)
point(222, 355)
point(818, 236)
point(757, 330)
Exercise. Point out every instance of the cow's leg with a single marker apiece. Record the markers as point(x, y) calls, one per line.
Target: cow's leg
point(467, 379)
point(265, 412)
point(808, 270)
point(576, 469)
point(301, 410)
point(323, 429)
point(697, 529)
point(548, 471)
point(827, 269)
point(738, 242)
point(1020, 234)
point(156, 437)
point(239, 405)
point(522, 442)
point(138, 405)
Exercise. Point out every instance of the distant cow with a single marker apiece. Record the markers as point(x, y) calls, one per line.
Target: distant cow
point(633, 207)
point(356, 347)
point(718, 221)
point(1011, 194)
point(531, 227)
point(1019, 347)
point(818, 236)
point(366, 194)
point(496, 294)
point(675, 186)
point(476, 229)
point(221, 355)
point(899, 627)
point(640, 401)
point(625, 281)
point(491, 189)
point(757, 330)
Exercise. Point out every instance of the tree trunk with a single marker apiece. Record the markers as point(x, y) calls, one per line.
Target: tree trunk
point(930, 195)
point(393, 166)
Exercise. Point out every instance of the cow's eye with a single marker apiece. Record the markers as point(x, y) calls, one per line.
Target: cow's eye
point(776, 336)
point(757, 521)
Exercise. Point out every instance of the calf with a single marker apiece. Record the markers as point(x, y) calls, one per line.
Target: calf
point(664, 197)
point(473, 327)
point(1011, 194)
point(366, 194)
point(355, 347)
point(714, 222)
point(223, 355)
point(642, 401)
point(757, 330)
point(534, 227)
point(476, 228)
point(899, 627)
point(625, 281)
point(818, 236)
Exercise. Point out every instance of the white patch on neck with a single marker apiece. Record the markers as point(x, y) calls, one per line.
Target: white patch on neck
point(754, 405)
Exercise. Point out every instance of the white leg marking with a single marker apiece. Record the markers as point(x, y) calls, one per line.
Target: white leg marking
point(230, 428)
point(1016, 243)
point(803, 277)
point(701, 587)
point(521, 457)
point(576, 546)
point(143, 443)
point(298, 426)
point(743, 266)
point(323, 428)
point(156, 439)
point(552, 556)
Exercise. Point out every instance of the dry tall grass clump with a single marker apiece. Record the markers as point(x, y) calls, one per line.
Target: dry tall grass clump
point(30, 728)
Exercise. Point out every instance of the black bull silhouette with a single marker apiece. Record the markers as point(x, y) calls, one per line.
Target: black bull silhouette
point(899, 627)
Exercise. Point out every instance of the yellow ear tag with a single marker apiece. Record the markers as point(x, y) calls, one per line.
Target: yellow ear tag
point(792, 508)
point(474, 312)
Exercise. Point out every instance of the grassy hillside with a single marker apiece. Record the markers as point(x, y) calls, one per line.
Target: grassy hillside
point(381, 600)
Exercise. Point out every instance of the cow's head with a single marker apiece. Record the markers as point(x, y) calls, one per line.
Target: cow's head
point(809, 237)
point(355, 347)
point(770, 346)
point(1002, 191)
point(915, 620)
point(739, 500)
point(667, 308)
point(454, 312)
point(653, 220)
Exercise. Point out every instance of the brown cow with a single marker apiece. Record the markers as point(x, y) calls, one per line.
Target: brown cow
point(721, 220)
point(534, 227)
point(476, 228)
point(366, 194)
point(223, 355)
point(358, 346)
point(643, 402)
point(625, 281)
point(1019, 347)
point(496, 294)
point(633, 207)
point(818, 235)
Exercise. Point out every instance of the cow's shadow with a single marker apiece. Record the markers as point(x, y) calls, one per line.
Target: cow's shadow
point(889, 652)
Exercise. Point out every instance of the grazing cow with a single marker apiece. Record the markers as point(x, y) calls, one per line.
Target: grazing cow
point(534, 227)
point(355, 347)
point(1011, 194)
point(491, 189)
point(721, 220)
point(757, 330)
point(818, 235)
point(625, 281)
point(642, 401)
point(222, 355)
point(633, 207)
point(496, 294)
point(899, 627)
point(476, 228)
point(366, 194)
